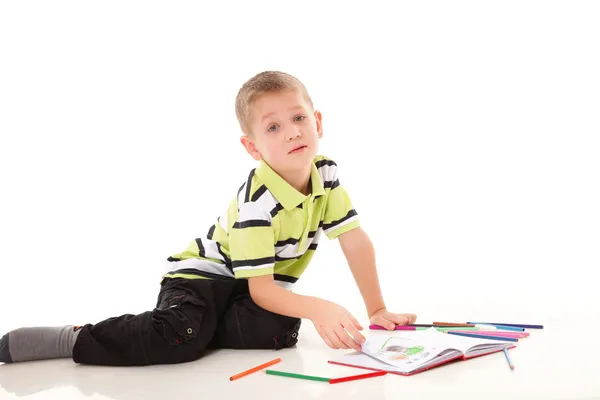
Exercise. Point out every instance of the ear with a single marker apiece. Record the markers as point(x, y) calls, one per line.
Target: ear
point(319, 120)
point(251, 147)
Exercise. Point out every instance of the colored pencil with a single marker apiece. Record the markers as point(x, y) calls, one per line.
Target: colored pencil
point(504, 327)
point(501, 334)
point(452, 324)
point(510, 364)
point(456, 328)
point(298, 376)
point(474, 335)
point(252, 370)
point(356, 377)
point(515, 325)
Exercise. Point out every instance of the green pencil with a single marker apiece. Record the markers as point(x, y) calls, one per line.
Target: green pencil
point(299, 376)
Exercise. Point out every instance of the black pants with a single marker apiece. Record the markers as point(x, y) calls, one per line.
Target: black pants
point(191, 315)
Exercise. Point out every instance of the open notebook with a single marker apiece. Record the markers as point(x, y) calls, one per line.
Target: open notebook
point(410, 352)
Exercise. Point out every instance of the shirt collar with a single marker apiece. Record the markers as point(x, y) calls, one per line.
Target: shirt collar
point(285, 193)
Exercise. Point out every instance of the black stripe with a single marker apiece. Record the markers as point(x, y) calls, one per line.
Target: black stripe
point(211, 231)
point(313, 246)
point(312, 234)
point(227, 260)
point(201, 249)
point(251, 223)
point(330, 184)
point(259, 192)
point(299, 205)
point(173, 259)
point(240, 189)
point(277, 258)
point(248, 186)
point(321, 163)
point(287, 241)
point(252, 263)
point(285, 278)
point(193, 271)
point(276, 209)
point(350, 214)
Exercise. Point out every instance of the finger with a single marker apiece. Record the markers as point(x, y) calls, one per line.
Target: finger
point(412, 318)
point(387, 324)
point(346, 339)
point(398, 319)
point(355, 322)
point(325, 338)
point(332, 335)
point(351, 328)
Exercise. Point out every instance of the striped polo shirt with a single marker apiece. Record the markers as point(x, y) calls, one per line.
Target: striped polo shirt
point(269, 228)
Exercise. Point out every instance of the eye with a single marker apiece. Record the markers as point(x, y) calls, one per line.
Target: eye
point(272, 128)
point(299, 118)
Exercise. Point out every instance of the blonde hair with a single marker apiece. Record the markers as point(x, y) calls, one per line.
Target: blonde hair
point(264, 82)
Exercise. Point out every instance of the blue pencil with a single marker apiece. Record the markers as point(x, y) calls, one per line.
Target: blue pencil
point(515, 325)
point(503, 327)
point(510, 364)
point(474, 335)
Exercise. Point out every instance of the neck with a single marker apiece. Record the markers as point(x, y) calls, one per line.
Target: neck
point(300, 180)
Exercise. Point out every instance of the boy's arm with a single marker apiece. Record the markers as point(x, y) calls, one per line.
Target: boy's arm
point(333, 322)
point(360, 254)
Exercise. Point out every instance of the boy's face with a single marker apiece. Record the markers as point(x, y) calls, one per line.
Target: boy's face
point(285, 131)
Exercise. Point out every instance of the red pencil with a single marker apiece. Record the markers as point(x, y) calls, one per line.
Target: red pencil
point(356, 377)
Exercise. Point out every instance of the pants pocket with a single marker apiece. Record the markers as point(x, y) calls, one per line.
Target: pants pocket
point(178, 316)
point(249, 326)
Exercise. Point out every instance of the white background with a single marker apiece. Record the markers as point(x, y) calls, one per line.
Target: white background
point(467, 134)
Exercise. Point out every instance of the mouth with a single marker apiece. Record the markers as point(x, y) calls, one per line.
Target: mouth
point(298, 149)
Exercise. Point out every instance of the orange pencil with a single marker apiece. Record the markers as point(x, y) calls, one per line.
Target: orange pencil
point(257, 368)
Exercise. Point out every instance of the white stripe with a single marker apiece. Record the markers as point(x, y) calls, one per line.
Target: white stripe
point(253, 211)
point(270, 265)
point(267, 201)
point(328, 173)
point(223, 221)
point(211, 250)
point(201, 265)
point(291, 250)
point(287, 251)
point(285, 285)
point(346, 222)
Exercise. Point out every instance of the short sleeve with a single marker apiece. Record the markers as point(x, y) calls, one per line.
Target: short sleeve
point(340, 215)
point(252, 243)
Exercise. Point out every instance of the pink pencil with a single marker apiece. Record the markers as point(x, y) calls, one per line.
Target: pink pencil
point(496, 333)
point(507, 334)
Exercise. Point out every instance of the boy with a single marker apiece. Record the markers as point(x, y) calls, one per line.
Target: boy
point(229, 289)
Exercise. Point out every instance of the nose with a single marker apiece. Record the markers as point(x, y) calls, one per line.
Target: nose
point(293, 134)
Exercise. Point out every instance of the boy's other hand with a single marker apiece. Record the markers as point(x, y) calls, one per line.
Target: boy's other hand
point(335, 325)
point(389, 320)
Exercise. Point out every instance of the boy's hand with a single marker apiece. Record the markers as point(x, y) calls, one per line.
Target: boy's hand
point(389, 320)
point(334, 322)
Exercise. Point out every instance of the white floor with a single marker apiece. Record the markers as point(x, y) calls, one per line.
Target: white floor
point(548, 366)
